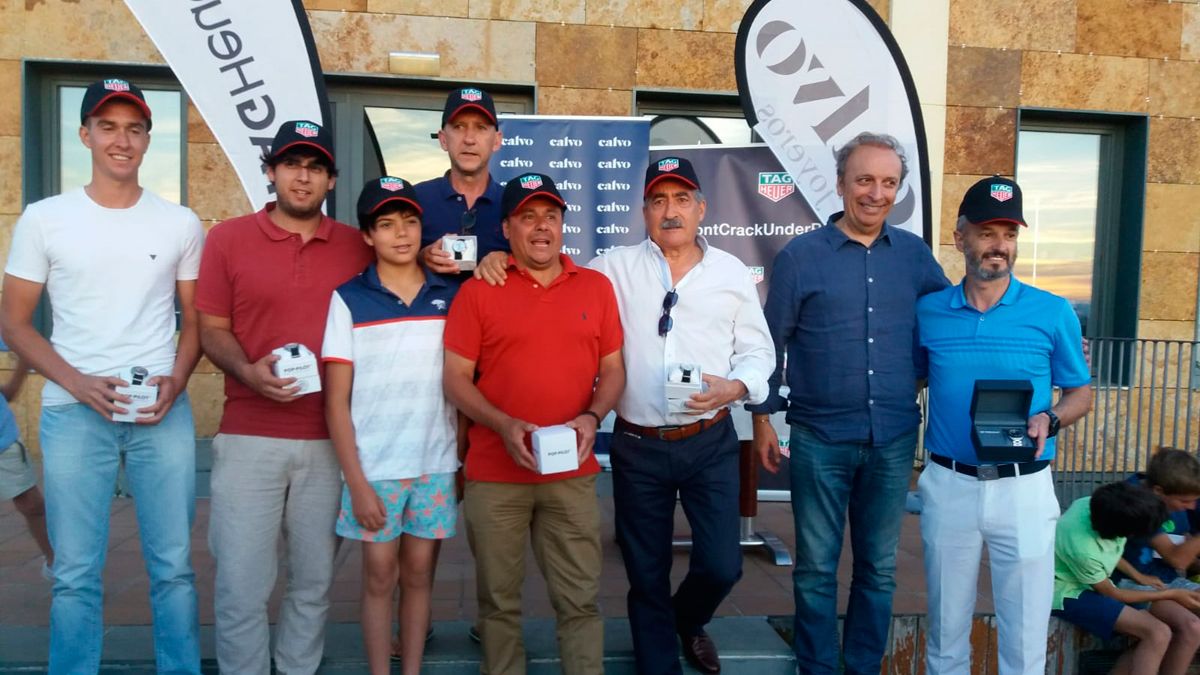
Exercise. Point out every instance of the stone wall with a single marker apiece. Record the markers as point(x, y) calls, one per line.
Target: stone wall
point(1125, 56)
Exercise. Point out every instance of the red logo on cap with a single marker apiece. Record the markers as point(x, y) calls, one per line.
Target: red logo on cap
point(391, 184)
point(307, 130)
point(116, 85)
point(1001, 192)
point(472, 95)
point(531, 182)
point(669, 164)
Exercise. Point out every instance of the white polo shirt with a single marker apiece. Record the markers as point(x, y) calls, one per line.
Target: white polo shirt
point(403, 425)
point(111, 275)
point(717, 323)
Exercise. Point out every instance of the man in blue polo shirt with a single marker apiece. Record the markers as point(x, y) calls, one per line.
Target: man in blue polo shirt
point(466, 199)
point(991, 326)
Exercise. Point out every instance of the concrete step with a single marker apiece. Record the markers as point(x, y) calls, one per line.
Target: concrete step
point(749, 645)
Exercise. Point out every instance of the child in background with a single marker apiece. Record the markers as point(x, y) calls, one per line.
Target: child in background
point(1161, 559)
point(1088, 542)
point(395, 434)
point(17, 480)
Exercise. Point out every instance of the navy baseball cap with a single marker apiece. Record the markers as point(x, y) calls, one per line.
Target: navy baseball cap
point(301, 133)
point(468, 98)
point(383, 190)
point(110, 89)
point(522, 188)
point(670, 167)
point(995, 199)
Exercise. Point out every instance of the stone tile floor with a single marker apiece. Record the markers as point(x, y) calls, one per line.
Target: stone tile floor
point(765, 589)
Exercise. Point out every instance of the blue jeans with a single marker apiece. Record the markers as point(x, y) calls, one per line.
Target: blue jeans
point(81, 453)
point(827, 479)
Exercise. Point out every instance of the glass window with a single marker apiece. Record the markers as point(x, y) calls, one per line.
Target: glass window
point(402, 136)
point(161, 170)
point(695, 120)
point(1083, 176)
point(675, 129)
point(1060, 181)
point(391, 131)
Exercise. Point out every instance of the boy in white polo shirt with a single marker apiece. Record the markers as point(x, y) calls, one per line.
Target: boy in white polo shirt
point(393, 430)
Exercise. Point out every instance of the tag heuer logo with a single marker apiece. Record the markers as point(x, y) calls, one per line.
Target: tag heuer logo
point(1001, 192)
point(471, 95)
point(531, 182)
point(756, 273)
point(668, 164)
point(307, 129)
point(775, 185)
point(116, 85)
point(391, 184)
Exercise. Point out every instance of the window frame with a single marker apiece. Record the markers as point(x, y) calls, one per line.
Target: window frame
point(360, 92)
point(1120, 209)
point(690, 104)
point(41, 148)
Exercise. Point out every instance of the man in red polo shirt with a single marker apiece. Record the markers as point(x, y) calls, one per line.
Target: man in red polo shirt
point(518, 357)
point(265, 281)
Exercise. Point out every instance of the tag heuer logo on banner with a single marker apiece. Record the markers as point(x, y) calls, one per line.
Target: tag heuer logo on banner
point(116, 85)
point(391, 184)
point(1001, 192)
point(756, 273)
point(775, 185)
point(531, 182)
point(471, 94)
point(306, 129)
point(668, 164)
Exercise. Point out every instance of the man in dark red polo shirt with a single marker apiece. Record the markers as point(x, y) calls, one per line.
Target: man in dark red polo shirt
point(265, 282)
point(518, 357)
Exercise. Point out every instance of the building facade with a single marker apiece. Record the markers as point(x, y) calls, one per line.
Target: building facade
point(1091, 103)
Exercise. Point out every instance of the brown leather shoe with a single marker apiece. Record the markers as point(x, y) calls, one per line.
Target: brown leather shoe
point(701, 652)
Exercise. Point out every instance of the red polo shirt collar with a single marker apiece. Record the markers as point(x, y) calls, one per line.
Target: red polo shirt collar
point(277, 233)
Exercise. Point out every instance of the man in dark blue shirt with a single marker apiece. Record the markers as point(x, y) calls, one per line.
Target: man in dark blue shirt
point(841, 306)
point(466, 200)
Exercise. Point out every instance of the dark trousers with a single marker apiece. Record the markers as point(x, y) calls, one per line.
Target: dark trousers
point(647, 475)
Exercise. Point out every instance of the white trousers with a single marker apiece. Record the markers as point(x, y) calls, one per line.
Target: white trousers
point(1016, 518)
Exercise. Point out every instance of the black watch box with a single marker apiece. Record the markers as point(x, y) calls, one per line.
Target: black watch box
point(999, 419)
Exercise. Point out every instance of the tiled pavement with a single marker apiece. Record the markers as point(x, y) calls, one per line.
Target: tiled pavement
point(765, 589)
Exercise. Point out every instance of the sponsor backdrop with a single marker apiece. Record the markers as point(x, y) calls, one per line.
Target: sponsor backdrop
point(812, 74)
point(598, 164)
point(753, 209)
point(248, 67)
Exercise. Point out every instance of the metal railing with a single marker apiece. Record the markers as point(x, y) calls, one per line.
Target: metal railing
point(1146, 395)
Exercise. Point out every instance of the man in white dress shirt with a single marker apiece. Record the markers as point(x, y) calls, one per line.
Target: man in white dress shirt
point(682, 303)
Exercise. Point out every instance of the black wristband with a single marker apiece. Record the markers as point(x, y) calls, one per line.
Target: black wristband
point(594, 416)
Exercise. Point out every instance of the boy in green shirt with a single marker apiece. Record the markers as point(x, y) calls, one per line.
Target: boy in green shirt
point(1088, 543)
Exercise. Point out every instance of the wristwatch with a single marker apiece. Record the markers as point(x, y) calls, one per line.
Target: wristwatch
point(1054, 425)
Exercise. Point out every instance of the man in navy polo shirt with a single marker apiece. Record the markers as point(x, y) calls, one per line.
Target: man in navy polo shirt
point(466, 199)
point(842, 307)
point(991, 326)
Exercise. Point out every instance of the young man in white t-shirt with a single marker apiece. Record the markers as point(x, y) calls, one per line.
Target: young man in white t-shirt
point(117, 260)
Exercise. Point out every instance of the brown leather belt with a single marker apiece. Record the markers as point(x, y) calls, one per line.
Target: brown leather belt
point(672, 433)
